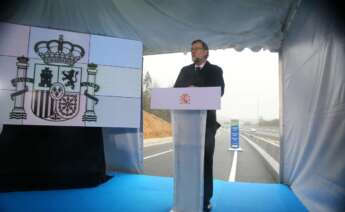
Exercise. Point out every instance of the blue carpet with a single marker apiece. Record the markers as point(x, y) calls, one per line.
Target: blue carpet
point(130, 192)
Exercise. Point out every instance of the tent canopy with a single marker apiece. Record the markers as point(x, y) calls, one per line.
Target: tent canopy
point(164, 26)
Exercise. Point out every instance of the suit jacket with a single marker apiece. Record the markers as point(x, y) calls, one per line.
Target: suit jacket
point(209, 76)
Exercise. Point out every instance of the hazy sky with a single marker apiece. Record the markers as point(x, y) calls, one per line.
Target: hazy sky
point(251, 80)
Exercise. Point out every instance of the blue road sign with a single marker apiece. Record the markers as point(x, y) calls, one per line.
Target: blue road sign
point(235, 131)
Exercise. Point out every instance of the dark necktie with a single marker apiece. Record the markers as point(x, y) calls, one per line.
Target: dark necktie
point(197, 81)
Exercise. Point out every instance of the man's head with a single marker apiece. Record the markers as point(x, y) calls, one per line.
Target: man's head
point(199, 51)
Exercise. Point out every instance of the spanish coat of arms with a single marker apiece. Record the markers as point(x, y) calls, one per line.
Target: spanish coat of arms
point(56, 83)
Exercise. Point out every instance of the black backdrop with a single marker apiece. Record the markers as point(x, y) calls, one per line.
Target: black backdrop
point(47, 157)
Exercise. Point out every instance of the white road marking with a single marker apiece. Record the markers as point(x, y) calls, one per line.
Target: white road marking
point(272, 162)
point(268, 133)
point(158, 154)
point(270, 141)
point(232, 175)
point(157, 143)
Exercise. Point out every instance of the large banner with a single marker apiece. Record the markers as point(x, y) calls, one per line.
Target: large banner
point(53, 77)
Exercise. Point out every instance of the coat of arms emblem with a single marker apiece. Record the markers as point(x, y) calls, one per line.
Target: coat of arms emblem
point(185, 99)
point(56, 83)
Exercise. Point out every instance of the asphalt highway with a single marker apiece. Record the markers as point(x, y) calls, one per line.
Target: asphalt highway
point(240, 166)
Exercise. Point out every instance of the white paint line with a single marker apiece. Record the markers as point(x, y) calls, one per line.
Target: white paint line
point(267, 133)
point(271, 161)
point(158, 154)
point(270, 141)
point(232, 174)
point(155, 143)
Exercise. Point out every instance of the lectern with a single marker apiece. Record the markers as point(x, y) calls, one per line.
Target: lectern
point(188, 112)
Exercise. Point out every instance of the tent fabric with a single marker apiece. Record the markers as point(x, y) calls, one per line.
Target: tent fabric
point(163, 26)
point(313, 142)
point(123, 149)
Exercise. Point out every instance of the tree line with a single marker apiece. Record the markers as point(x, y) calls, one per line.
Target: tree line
point(148, 85)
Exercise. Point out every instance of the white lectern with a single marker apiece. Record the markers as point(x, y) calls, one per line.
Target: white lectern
point(188, 112)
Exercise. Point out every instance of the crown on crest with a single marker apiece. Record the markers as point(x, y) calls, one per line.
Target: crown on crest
point(59, 51)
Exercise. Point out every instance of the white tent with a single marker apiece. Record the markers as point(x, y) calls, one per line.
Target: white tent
point(223, 24)
point(308, 34)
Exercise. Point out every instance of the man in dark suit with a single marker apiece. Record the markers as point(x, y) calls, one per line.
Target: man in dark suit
point(203, 74)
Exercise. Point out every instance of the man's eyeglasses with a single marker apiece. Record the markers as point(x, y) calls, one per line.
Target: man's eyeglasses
point(197, 48)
